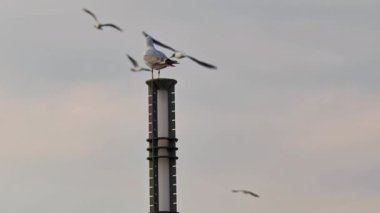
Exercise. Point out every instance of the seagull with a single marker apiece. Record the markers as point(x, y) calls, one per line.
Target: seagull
point(179, 54)
point(100, 26)
point(246, 192)
point(156, 59)
point(136, 67)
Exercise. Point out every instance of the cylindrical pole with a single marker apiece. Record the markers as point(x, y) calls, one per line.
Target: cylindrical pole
point(162, 146)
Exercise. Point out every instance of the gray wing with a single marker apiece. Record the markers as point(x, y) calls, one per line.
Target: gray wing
point(210, 66)
point(113, 26)
point(133, 61)
point(91, 14)
point(159, 43)
point(150, 59)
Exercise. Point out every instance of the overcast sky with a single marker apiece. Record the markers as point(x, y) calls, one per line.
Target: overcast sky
point(292, 113)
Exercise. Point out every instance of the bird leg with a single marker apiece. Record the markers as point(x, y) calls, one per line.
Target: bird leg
point(159, 74)
point(152, 73)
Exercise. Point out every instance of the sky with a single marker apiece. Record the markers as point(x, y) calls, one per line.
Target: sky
point(292, 113)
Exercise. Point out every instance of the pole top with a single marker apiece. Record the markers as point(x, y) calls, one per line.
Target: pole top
point(161, 83)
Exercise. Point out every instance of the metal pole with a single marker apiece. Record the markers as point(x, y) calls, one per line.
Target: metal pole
point(162, 146)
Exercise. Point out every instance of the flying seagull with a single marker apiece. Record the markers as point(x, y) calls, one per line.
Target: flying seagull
point(136, 67)
point(246, 192)
point(179, 54)
point(99, 25)
point(156, 59)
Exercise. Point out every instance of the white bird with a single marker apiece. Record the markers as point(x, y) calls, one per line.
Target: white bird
point(179, 54)
point(246, 192)
point(99, 25)
point(136, 67)
point(156, 59)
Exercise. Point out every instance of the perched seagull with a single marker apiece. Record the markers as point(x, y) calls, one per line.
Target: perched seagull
point(136, 67)
point(156, 59)
point(179, 54)
point(246, 192)
point(100, 26)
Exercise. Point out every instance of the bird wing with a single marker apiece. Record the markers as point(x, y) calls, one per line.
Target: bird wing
point(140, 69)
point(210, 66)
point(163, 45)
point(136, 67)
point(151, 59)
point(159, 43)
point(146, 34)
point(170, 62)
point(251, 193)
point(145, 69)
point(133, 61)
point(91, 13)
point(113, 26)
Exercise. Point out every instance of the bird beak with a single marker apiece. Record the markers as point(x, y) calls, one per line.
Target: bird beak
point(173, 55)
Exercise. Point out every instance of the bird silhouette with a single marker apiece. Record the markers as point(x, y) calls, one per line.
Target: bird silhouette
point(99, 25)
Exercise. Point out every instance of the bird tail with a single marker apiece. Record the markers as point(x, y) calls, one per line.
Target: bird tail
point(170, 62)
